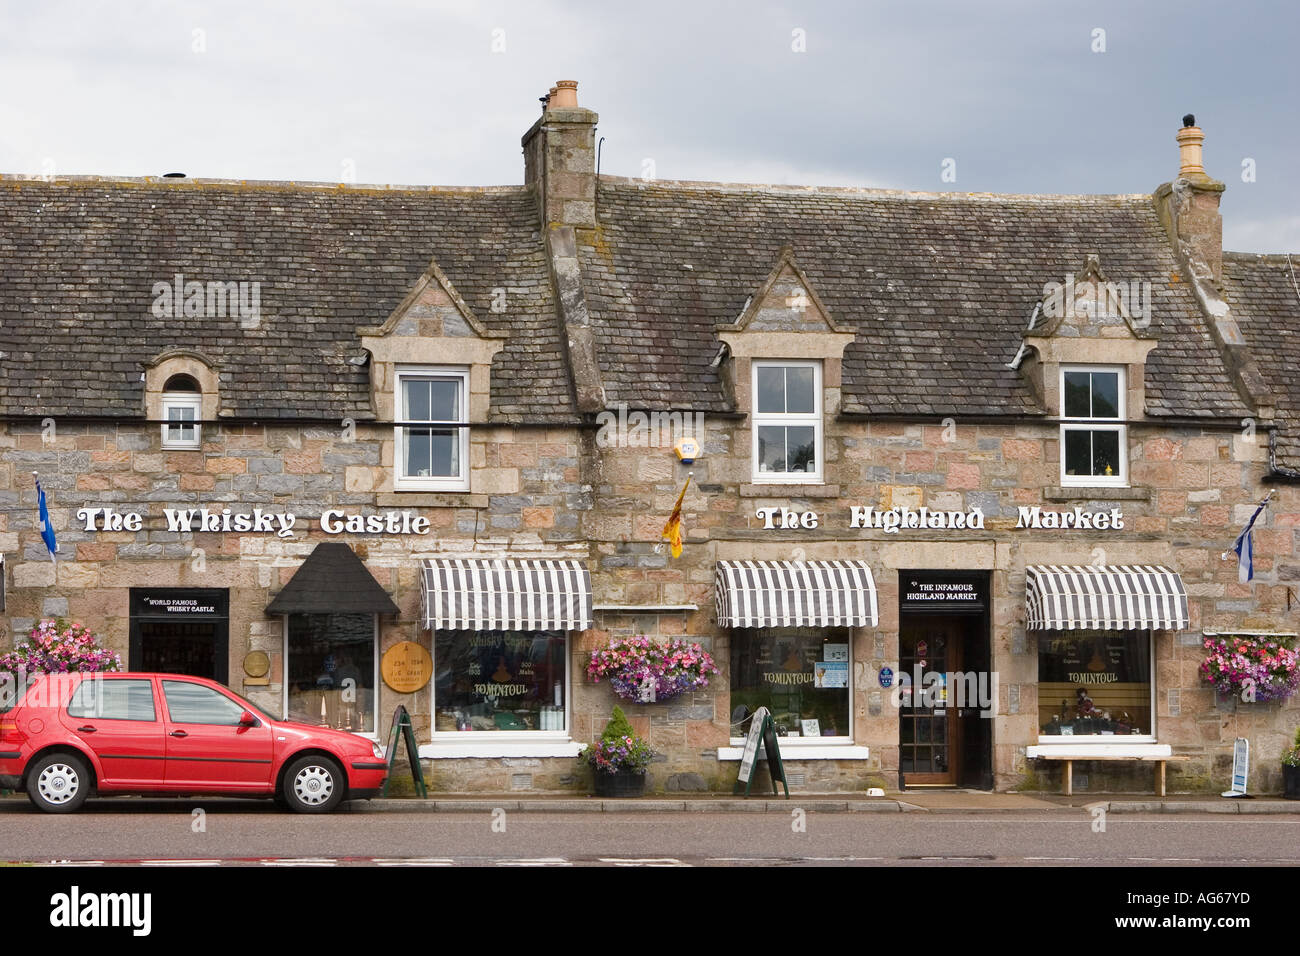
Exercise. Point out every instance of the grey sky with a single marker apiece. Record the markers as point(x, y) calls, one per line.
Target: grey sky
point(414, 93)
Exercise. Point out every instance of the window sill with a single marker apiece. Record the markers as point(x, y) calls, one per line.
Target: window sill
point(430, 499)
point(1104, 747)
point(793, 751)
point(449, 747)
point(1095, 493)
point(789, 489)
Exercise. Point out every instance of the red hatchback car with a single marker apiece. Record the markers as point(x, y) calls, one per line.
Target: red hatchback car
point(69, 734)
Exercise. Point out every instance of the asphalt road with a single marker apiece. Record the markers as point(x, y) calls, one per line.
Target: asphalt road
point(230, 832)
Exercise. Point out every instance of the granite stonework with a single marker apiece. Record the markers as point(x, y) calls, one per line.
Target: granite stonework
point(601, 319)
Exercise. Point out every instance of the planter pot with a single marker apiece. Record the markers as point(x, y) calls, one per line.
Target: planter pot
point(621, 784)
point(1291, 782)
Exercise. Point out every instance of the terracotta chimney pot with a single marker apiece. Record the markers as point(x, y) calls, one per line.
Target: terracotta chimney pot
point(1190, 140)
point(565, 95)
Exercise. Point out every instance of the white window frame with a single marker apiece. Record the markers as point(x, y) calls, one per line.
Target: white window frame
point(192, 400)
point(792, 744)
point(374, 694)
point(503, 743)
point(758, 419)
point(1118, 424)
point(450, 483)
point(1096, 740)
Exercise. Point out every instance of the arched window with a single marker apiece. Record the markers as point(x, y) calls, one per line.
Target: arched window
point(182, 410)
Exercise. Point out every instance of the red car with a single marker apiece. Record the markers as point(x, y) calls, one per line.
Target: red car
point(69, 734)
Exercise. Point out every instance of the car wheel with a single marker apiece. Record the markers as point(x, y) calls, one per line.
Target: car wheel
point(58, 783)
point(313, 785)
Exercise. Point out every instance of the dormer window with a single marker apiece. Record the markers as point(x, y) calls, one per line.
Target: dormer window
point(787, 422)
point(1094, 436)
point(431, 435)
point(182, 412)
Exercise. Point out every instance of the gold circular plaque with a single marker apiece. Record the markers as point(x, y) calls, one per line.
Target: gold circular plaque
point(256, 663)
point(406, 667)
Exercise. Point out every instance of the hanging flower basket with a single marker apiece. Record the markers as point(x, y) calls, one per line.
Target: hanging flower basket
point(647, 671)
point(58, 647)
point(1253, 669)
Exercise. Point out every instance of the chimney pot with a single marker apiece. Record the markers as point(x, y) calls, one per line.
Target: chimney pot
point(1190, 140)
point(1189, 120)
point(564, 95)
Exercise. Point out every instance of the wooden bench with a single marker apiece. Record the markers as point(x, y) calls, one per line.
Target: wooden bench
point(1082, 755)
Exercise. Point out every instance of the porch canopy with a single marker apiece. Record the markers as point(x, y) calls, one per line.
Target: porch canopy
point(505, 594)
point(795, 594)
point(333, 580)
point(1110, 597)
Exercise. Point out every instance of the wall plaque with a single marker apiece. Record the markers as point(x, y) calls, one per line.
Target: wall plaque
point(406, 667)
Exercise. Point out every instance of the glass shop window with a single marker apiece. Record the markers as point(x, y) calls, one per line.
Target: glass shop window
point(801, 675)
point(1094, 684)
point(499, 681)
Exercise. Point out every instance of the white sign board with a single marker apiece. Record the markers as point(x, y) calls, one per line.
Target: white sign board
point(751, 743)
point(1240, 768)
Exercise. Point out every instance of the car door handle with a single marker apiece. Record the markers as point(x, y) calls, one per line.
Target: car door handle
point(86, 729)
point(179, 733)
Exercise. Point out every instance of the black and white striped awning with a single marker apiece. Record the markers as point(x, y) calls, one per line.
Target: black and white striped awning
point(1121, 598)
point(505, 594)
point(795, 594)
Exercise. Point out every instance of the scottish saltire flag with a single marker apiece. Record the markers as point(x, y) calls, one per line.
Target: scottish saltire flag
point(47, 531)
point(1245, 547)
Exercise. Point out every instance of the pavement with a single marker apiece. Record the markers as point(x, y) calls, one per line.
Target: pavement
point(911, 801)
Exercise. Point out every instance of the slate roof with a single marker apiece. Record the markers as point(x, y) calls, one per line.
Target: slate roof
point(79, 258)
point(1263, 293)
point(940, 288)
point(333, 580)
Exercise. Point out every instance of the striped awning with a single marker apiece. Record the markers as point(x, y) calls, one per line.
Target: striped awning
point(505, 594)
point(795, 594)
point(1121, 598)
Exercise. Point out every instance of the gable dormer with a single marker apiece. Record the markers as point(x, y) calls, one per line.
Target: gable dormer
point(433, 325)
point(784, 319)
point(1088, 320)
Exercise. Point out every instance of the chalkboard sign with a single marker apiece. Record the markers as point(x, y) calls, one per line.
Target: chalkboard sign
point(404, 729)
point(761, 729)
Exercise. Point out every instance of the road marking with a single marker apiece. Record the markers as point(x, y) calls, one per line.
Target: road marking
point(300, 861)
point(74, 863)
point(413, 861)
point(642, 861)
point(1071, 859)
point(179, 862)
point(542, 861)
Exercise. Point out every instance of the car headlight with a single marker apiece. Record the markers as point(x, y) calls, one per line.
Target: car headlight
point(377, 750)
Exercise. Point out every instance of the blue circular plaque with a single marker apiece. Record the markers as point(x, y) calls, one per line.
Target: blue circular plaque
point(886, 677)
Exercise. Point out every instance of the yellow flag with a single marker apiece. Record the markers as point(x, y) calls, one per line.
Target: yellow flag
point(673, 529)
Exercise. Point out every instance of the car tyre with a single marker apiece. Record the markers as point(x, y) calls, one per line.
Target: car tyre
point(58, 783)
point(313, 784)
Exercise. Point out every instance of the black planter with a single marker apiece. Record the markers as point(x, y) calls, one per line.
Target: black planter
point(621, 784)
point(1291, 782)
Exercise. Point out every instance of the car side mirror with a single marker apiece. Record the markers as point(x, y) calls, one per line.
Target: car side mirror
point(247, 719)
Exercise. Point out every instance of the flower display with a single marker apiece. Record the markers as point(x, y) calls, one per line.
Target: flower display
point(646, 671)
point(55, 646)
point(619, 749)
point(1258, 668)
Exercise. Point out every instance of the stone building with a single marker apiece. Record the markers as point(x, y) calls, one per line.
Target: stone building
point(968, 463)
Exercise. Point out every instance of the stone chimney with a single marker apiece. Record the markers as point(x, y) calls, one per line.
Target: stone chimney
point(560, 159)
point(1189, 207)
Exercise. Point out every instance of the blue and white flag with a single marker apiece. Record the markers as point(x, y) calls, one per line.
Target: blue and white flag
point(1245, 547)
point(47, 531)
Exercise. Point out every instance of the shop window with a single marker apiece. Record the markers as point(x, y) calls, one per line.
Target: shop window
point(330, 670)
point(495, 681)
point(799, 674)
point(1094, 438)
point(182, 410)
point(432, 444)
point(1095, 684)
point(787, 422)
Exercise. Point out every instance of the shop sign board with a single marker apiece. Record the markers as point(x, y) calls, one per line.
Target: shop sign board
point(902, 518)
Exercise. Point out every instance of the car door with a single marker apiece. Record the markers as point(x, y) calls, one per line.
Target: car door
point(207, 748)
point(118, 719)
